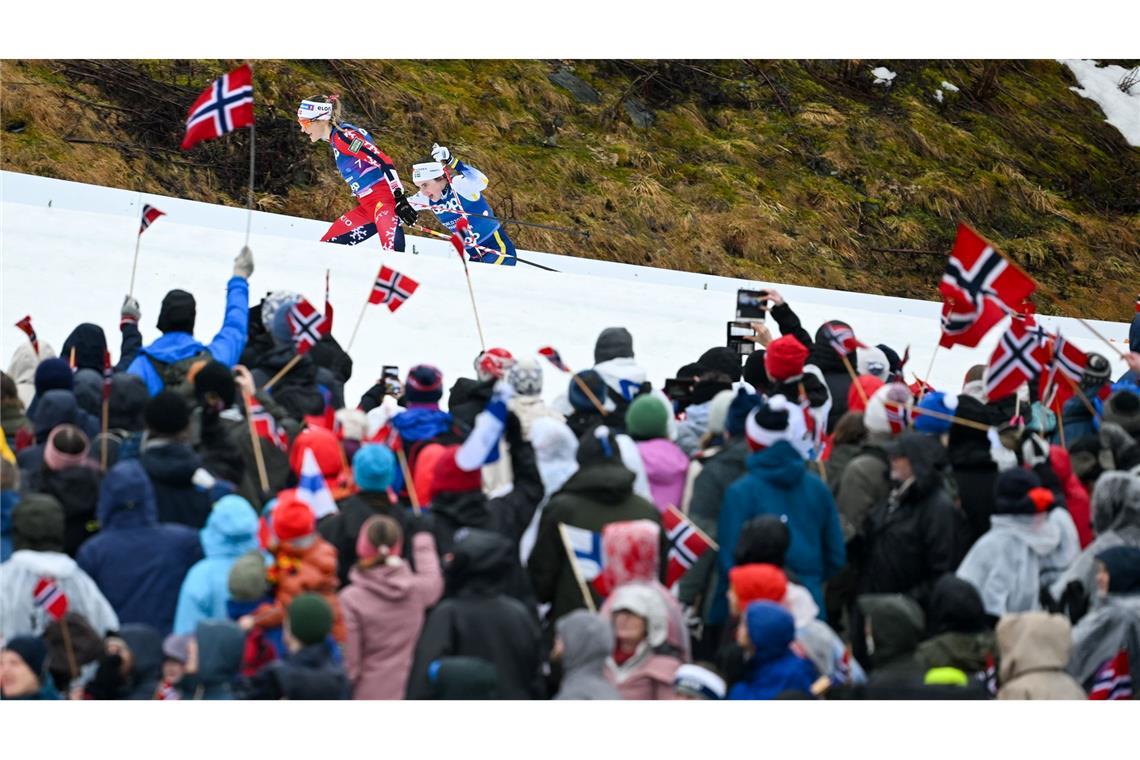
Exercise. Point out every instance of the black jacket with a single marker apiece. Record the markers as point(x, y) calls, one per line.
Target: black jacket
point(308, 673)
point(170, 467)
point(973, 468)
point(299, 391)
point(838, 379)
point(478, 618)
point(915, 535)
point(342, 529)
point(77, 489)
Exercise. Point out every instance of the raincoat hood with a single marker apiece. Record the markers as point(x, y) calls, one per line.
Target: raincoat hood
point(587, 638)
point(221, 644)
point(897, 625)
point(1033, 641)
point(771, 630)
point(231, 529)
point(126, 498)
point(780, 464)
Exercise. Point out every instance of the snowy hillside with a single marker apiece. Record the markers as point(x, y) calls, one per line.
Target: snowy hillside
point(66, 250)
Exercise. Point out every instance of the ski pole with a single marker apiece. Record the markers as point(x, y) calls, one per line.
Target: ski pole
point(501, 220)
point(442, 236)
point(459, 247)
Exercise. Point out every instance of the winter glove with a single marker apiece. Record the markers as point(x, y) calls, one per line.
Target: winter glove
point(1074, 601)
point(130, 311)
point(243, 263)
point(441, 154)
point(404, 210)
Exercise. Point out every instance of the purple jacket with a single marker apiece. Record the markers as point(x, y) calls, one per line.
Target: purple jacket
point(666, 467)
point(384, 608)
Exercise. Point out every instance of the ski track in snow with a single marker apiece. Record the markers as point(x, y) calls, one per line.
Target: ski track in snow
point(1099, 84)
point(70, 262)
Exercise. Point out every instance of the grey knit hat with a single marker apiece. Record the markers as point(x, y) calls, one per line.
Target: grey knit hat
point(247, 578)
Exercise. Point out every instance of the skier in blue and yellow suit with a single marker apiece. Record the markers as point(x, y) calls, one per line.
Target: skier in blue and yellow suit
point(452, 190)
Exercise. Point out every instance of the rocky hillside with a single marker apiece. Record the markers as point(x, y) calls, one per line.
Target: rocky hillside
point(804, 172)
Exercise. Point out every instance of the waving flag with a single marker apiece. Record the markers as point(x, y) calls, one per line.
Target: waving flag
point(686, 544)
point(553, 357)
point(312, 488)
point(266, 426)
point(149, 214)
point(49, 597)
point(226, 105)
point(841, 337)
point(25, 324)
point(978, 288)
point(308, 325)
point(392, 288)
point(1020, 357)
point(1067, 361)
point(585, 550)
point(1113, 679)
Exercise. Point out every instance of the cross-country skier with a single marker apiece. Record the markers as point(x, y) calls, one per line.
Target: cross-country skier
point(452, 190)
point(370, 175)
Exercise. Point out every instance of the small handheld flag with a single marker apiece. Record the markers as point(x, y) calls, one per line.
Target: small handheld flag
point(25, 324)
point(49, 597)
point(226, 105)
point(392, 288)
point(149, 215)
point(552, 356)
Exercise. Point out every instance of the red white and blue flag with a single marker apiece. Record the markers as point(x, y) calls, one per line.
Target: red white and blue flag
point(49, 597)
point(1064, 371)
point(308, 325)
point(1020, 356)
point(266, 426)
point(25, 324)
point(1113, 679)
point(392, 288)
point(841, 337)
point(686, 543)
point(149, 215)
point(553, 357)
point(978, 288)
point(313, 489)
point(226, 105)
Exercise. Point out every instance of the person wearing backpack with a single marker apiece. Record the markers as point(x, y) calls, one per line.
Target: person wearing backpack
point(165, 363)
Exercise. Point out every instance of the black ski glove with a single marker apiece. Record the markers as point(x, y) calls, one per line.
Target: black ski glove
point(404, 210)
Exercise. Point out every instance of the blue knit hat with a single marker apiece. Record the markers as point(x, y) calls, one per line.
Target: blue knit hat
point(738, 412)
point(54, 374)
point(424, 385)
point(578, 398)
point(935, 401)
point(373, 467)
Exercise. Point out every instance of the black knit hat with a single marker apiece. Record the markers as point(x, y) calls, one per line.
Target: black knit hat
point(613, 343)
point(89, 343)
point(127, 401)
point(764, 539)
point(37, 523)
point(578, 398)
point(215, 383)
point(722, 360)
point(598, 446)
point(754, 372)
point(178, 312)
point(33, 651)
point(167, 414)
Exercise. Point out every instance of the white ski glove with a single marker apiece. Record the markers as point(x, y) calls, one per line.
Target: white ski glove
point(440, 153)
point(243, 263)
point(130, 311)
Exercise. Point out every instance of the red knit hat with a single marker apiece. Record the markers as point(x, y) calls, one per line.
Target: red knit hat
point(785, 358)
point(449, 478)
point(758, 582)
point(292, 518)
point(870, 384)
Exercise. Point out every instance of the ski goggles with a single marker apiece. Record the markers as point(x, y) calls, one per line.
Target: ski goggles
point(312, 110)
point(426, 171)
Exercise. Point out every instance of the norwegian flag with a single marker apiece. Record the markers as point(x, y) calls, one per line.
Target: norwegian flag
point(1020, 357)
point(226, 105)
point(553, 357)
point(1113, 679)
point(898, 417)
point(108, 373)
point(1067, 361)
point(686, 544)
point(328, 303)
point(308, 325)
point(266, 426)
point(49, 597)
point(978, 288)
point(149, 215)
point(841, 337)
point(25, 324)
point(392, 288)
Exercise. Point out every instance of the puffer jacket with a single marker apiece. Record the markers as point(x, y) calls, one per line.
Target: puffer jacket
point(18, 578)
point(1035, 649)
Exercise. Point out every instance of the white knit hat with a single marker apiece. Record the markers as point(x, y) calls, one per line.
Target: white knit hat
point(764, 426)
point(699, 682)
point(878, 419)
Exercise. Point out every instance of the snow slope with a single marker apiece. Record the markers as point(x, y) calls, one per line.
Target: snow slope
point(66, 248)
point(1099, 84)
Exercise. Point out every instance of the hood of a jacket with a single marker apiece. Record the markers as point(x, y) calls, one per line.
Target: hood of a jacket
point(955, 605)
point(89, 343)
point(54, 564)
point(145, 644)
point(1042, 535)
point(587, 639)
point(607, 483)
point(87, 385)
point(421, 423)
point(771, 629)
point(926, 456)
point(664, 461)
point(481, 561)
point(126, 498)
point(467, 508)
point(1115, 501)
point(231, 529)
point(169, 463)
point(780, 464)
point(174, 347)
point(56, 407)
point(897, 625)
point(391, 582)
point(127, 401)
point(645, 601)
point(326, 450)
point(221, 644)
point(1033, 641)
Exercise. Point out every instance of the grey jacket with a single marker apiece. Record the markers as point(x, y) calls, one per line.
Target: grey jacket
point(587, 640)
point(1113, 624)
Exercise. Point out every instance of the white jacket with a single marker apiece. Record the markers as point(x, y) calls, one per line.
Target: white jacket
point(18, 577)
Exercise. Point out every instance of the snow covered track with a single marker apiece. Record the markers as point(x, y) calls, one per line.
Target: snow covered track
point(65, 258)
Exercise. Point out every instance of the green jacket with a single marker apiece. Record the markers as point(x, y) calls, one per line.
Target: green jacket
point(592, 498)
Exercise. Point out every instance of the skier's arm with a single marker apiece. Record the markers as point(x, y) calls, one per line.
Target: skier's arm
point(347, 144)
point(467, 180)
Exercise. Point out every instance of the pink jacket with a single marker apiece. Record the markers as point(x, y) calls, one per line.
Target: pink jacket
point(383, 609)
point(666, 467)
point(647, 677)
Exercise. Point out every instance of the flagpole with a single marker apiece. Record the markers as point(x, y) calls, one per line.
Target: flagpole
point(357, 326)
point(72, 665)
point(138, 240)
point(258, 457)
point(854, 380)
point(284, 371)
point(926, 380)
point(408, 482)
point(704, 536)
point(586, 389)
point(249, 202)
point(574, 566)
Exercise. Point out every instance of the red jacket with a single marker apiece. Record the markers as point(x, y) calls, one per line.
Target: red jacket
point(1076, 497)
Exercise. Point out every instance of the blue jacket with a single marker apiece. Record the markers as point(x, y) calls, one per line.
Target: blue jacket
point(418, 424)
point(230, 532)
point(8, 501)
point(777, 482)
point(773, 668)
point(226, 346)
point(137, 563)
point(463, 196)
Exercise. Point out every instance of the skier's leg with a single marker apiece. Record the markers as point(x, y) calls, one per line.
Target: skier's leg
point(354, 227)
point(383, 207)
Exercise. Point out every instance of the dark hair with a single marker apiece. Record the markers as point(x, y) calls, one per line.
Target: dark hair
point(68, 439)
point(9, 476)
point(849, 429)
point(382, 532)
point(7, 387)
